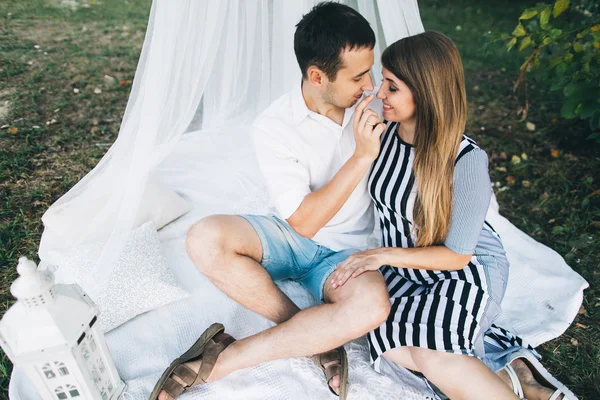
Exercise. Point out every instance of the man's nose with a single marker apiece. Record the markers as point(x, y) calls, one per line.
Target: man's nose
point(368, 86)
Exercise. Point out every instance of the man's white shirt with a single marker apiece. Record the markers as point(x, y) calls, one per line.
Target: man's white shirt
point(299, 152)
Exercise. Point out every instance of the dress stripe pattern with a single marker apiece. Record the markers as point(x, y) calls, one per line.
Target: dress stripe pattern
point(439, 310)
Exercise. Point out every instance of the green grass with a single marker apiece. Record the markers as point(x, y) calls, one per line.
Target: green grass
point(545, 196)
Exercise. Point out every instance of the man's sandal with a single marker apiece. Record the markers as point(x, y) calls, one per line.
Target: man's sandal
point(340, 368)
point(205, 349)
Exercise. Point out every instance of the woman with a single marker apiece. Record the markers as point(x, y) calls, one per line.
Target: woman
point(444, 265)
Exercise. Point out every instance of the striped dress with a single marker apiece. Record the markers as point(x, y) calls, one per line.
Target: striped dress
point(440, 310)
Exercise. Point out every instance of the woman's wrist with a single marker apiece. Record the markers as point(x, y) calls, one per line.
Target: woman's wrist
point(391, 256)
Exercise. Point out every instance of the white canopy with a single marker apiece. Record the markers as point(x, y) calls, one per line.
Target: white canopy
point(204, 65)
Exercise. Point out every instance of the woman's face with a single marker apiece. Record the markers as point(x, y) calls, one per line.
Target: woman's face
point(398, 104)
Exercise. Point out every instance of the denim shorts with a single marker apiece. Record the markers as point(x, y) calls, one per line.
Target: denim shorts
point(287, 255)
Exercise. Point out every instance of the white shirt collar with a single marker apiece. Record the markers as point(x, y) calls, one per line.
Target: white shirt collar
point(301, 111)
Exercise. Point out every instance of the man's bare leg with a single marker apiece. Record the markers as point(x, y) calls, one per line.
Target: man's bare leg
point(358, 307)
point(227, 249)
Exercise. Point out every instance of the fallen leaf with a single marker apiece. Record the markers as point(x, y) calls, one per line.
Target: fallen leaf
point(582, 326)
point(574, 342)
point(12, 130)
point(582, 310)
point(501, 169)
point(97, 90)
point(555, 153)
point(510, 179)
point(515, 159)
point(526, 184)
point(524, 156)
point(551, 221)
point(530, 126)
point(75, 90)
point(124, 82)
point(109, 79)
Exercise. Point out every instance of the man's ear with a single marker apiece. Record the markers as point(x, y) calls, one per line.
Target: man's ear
point(316, 76)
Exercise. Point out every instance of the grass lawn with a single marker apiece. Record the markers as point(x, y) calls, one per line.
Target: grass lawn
point(65, 75)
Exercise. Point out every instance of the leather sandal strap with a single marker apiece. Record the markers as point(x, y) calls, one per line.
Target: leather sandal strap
point(209, 358)
point(186, 374)
point(331, 355)
point(173, 388)
point(331, 371)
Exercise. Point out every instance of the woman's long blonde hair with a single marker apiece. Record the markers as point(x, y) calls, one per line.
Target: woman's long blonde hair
point(430, 65)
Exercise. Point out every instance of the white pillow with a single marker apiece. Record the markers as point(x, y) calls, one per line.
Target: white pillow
point(68, 222)
point(141, 280)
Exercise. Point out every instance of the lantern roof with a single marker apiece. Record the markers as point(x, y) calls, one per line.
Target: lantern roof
point(34, 324)
point(31, 282)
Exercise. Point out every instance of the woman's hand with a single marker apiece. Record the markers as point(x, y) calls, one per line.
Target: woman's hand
point(358, 263)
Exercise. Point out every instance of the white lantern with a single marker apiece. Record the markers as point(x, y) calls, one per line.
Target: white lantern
point(51, 332)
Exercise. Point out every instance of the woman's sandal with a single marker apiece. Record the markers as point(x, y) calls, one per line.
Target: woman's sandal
point(205, 349)
point(341, 368)
point(540, 374)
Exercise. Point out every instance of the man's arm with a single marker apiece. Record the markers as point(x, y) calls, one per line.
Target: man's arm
point(320, 206)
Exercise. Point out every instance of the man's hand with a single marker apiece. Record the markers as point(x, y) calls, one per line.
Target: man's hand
point(367, 130)
point(358, 263)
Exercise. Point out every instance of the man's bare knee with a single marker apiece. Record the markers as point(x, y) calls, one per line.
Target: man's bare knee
point(206, 243)
point(366, 305)
point(215, 241)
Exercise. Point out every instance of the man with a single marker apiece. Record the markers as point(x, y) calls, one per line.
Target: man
point(315, 147)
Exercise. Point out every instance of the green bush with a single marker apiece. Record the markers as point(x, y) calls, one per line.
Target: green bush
point(561, 43)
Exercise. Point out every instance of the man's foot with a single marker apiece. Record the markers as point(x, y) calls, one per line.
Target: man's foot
point(334, 364)
point(532, 389)
point(193, 367)
point(334, 383)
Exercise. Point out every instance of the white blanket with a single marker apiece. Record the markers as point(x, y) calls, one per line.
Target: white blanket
point(218, 173)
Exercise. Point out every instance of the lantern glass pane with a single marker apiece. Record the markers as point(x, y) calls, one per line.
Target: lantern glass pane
point(92, 343)
point(74, 393)
point(101, 366)
point(63, 371)
point(60, 393)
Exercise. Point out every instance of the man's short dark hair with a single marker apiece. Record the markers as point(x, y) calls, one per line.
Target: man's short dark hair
point(323, 33)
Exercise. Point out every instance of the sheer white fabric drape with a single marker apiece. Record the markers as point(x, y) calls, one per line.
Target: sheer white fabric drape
point(204, 64)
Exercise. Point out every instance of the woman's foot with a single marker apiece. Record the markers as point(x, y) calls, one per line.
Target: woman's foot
point(195, 367)
point(532, 389)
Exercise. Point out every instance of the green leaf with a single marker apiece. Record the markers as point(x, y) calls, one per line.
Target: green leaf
point(569, 108)
point(555, 33)
point(525, 43)
point(519, 31)
point(559, 7)
point(511, 44)
point(528, 14)
point(589, 108)
point(561, 69)
point(568, 58)
point(555, 61)
point(547, 40)
point(545, 18)
point(585, 202)
point(577, 47)
point(575, 90)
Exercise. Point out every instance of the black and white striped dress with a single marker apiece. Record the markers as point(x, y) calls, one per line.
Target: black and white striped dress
point(440, 310)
